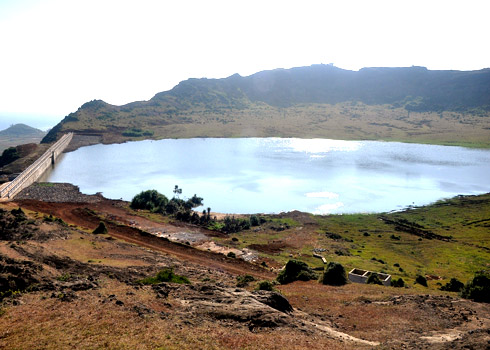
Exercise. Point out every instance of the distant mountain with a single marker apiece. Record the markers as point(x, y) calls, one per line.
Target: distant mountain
point(22, 130)
point(300, 102)
point(417, 87)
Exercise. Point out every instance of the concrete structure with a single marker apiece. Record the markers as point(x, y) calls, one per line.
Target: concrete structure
point(361, 276)
point(36, 169)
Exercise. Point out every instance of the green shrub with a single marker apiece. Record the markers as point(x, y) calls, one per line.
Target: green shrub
point(296, 270)
point(101, 229)
point(231, 255)
point(421, 280)
point(399, 283)
point(334, 275)
point(478, 289)
point(149, 200)
point(166, 275)
point(454, 285)
point(243, 281)
point(265, 285)
point(8, 156)
point(374, 279)
point(254, 220)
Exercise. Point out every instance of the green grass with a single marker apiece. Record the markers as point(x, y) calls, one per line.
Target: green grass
point(465, 219)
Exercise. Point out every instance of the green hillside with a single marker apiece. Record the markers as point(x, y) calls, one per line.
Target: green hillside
point(403, 104)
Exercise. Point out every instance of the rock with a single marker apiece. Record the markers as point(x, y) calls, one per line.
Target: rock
point(274, 300)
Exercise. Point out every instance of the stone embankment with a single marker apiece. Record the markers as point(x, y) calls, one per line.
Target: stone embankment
point(57, 193)
point(36, 169)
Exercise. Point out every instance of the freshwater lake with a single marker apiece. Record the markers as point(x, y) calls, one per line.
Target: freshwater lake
point(271, 175)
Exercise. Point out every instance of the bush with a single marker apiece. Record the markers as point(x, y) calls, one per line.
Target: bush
point(421, 280)
point(296, 270)
point(254, 220)
point(243, 281)
point(149, 200)
point(231, 255)
point(8, 156)
point(166, 275)
point(101, 229)
point(374, 279)
point(265, 285)
point(334, 275)
point(453, 285)
point(399, 283)
point(478, 289)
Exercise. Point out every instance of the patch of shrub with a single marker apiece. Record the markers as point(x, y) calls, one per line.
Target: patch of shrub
point(243, 281)
point(233, 225)
point(296, 270)
point(8, 156)
point(396, 238)
point(265, 285)
point(399, 283)
point(333, 235)
point(334, 275)
point(374, 279)
point(478, 289)
point(231, 255)
point(100, 230)
point(254, 220)
point(342, 252)
point(166, 275)
point(421, 280)
point(149, 200)
point(454, 285)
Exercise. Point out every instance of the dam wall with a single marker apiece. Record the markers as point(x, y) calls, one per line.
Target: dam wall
point(36, 169)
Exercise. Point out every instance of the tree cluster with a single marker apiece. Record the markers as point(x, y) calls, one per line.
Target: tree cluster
point(156, 202)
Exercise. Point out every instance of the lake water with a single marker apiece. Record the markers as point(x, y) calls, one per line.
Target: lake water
point(270, 175)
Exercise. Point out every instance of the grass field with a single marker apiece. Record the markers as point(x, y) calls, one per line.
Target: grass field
point(448, 239)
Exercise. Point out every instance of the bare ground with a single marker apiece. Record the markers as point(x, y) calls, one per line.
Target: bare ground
point(80, 290)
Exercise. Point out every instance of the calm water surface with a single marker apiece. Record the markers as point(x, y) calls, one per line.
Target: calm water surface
point(266, 175)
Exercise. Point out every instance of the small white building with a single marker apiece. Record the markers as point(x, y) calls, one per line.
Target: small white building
point(361, 276)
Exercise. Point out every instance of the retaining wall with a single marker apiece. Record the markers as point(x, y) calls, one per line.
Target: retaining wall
point(36, 169)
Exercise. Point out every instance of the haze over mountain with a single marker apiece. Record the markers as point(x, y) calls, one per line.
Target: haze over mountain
point(19, 130)
point(269, 102)
point(19, 134)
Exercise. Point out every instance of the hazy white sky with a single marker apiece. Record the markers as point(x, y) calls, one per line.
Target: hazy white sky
point(57, 54)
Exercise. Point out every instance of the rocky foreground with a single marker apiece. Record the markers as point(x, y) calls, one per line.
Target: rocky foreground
point(63, 287)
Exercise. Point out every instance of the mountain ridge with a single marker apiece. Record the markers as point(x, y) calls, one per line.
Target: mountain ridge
point(259, 104)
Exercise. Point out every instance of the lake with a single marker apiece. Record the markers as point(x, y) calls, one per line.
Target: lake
point(271, 175)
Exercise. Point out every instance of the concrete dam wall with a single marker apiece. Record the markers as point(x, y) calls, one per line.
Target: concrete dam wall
point(36, 169)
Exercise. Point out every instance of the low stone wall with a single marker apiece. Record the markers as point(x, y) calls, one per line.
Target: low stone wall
point(36, 169)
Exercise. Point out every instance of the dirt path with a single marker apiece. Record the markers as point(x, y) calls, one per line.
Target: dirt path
point(77, 214)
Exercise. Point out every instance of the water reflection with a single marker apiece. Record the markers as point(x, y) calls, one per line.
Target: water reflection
point(272, 174)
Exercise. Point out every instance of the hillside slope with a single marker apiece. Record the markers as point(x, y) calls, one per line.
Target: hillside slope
point(405, 104)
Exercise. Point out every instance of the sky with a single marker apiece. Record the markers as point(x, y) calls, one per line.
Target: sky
point(56, 55)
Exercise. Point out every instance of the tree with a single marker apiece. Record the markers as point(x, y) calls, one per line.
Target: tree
point(177, 191)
